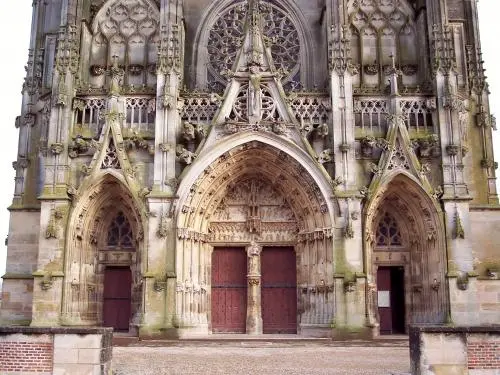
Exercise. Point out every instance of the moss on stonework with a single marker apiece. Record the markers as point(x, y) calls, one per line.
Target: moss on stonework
point(60, 192)
point(351, 332)
point(20, 322)
point(157, 331)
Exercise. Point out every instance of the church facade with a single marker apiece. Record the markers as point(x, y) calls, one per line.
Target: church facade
point(188, 167)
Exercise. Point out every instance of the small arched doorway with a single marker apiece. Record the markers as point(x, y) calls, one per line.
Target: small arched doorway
point(391, 259)
point(103, 257)
point(406, 257)
point(118, 254)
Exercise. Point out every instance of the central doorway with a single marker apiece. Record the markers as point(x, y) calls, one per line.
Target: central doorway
point(391, 300)
point(279, 290)
point(229, 290)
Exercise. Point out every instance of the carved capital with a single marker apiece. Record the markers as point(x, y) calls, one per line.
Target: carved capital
point(486, 120)
point(159, 285)
point(29, 119)
point(47, 284)
point(452, 150)
point(21, 163)
point(166, 147)
point(253, 281)
point(489, 164)
point(56, 148)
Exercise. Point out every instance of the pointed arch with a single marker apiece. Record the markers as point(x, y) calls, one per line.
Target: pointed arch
point(255, 187)
point(302, 160)
point(422, 251)
point(87, 252)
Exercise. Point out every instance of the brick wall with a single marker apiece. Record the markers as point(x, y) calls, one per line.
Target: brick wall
point(57, 350)
point(25, 356)
point(455, 350)
point(483, 355)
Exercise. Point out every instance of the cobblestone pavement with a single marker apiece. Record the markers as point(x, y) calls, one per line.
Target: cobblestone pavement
point(246, 358)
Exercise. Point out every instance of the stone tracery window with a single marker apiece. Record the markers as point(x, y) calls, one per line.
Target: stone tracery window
point(388, 232)
point(128, 32)
point(226, 37)
point(120, 233)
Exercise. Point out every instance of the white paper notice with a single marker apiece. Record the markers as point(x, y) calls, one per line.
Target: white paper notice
point(384, 298)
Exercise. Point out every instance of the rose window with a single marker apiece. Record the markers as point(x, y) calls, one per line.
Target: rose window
point(227, 36)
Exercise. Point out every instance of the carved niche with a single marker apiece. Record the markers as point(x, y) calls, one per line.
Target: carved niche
point(253, 207)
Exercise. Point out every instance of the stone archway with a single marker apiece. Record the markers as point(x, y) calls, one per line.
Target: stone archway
point(97, 242)
point(404, 229)
point(255, 193)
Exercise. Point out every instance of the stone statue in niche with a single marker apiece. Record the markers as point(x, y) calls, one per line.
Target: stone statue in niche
point(254, 94)
point(254, 251)
point(117, 74)
point(192, 135)
point(185, 156)
point(188, 132)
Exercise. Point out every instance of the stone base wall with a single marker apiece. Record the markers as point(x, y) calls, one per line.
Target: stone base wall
point(81, 351)
point(17, 301)
point(451, 351)
point(478, 304)
point(488, 293)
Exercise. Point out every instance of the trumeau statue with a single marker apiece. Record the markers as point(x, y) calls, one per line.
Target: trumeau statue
point(306, 149)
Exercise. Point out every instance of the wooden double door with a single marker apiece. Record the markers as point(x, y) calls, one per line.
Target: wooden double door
point(278, 290)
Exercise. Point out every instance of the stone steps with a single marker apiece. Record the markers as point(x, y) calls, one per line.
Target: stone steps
point(255, 342)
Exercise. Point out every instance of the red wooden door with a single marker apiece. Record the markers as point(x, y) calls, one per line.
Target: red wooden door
point(117, 298)
point(279, 290)
point(384, 299)
point(229, 290)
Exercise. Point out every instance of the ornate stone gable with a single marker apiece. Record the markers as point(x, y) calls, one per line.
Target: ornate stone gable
point(255, 99)
point(398, 157)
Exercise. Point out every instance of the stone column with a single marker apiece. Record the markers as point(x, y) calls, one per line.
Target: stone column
point(254, 306)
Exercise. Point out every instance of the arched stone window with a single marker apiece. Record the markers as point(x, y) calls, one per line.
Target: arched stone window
point(223, 36)
point(120, 233)
point(388, 233)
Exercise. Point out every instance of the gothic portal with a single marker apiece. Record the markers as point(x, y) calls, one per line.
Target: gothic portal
point(317, 168)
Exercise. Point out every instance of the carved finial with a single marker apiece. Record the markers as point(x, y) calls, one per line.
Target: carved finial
point(393, 58)
point(255, 52)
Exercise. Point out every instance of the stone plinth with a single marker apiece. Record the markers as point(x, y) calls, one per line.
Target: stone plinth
point(58, 351)
point(438, 350)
